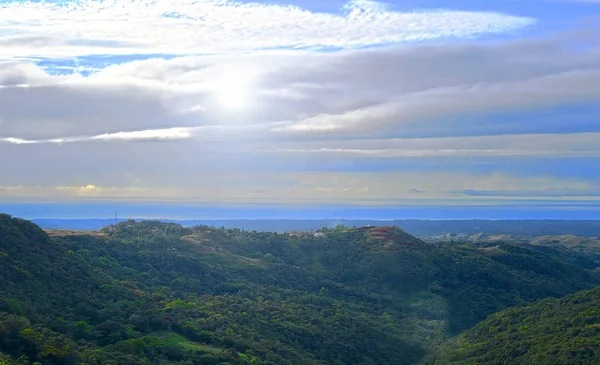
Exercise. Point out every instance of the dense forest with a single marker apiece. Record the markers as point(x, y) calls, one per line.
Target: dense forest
point(552, 331)
point(158, 293)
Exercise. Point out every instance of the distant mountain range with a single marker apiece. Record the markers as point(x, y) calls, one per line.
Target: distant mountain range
point(420, 228)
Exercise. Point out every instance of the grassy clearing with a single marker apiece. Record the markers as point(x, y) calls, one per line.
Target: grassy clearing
point(70, 232)
point(173, 339)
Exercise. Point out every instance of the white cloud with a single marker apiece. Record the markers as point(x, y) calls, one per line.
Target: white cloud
point(169, 134)
point(18, 141)
point(190, 26)
point(161, 134)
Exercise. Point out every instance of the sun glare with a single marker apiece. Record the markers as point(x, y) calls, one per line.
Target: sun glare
point(232, 88)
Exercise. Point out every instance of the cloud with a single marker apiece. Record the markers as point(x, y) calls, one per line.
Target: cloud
point(553, 192)
point(164, 134)
point(524, 145)
point(407, 91)
point(162, 129)
point(571, 86)
point(574, 145)
point(417, 188)
point(17, 141)
point(146, 135)
point(28, 41)
point(205, 26)
point(87, 192)
point(405, 153)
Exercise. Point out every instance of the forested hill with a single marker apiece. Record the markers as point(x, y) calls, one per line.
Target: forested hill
point(159, 293)
point(552, 331)
point(419, 228)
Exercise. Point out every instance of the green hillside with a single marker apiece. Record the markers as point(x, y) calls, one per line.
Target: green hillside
point(552, 331)
point(37, 272)
point(158, 293)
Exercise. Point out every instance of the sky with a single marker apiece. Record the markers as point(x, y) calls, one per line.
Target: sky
point(306, 108)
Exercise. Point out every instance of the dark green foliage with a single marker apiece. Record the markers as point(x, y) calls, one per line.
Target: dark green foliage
point(482, 281)
point(151, 292)
point(36, 273)
point(552, 331)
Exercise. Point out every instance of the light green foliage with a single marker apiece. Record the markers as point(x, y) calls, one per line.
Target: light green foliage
point(171, 338)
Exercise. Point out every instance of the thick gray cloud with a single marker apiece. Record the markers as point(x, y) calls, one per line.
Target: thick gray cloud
point(433, 105)
point(353, 91)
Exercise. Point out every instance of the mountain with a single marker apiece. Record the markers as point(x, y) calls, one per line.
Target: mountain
point(589, 246)
point(154, 292)
point(421, 228)
point(552, 331)
point(571, 241)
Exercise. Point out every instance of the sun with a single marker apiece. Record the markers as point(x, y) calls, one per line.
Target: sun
point(232, 88)
point(232, 95)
